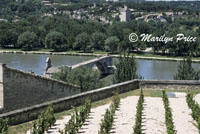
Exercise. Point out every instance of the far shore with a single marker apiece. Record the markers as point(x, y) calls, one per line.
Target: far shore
point(146, 57)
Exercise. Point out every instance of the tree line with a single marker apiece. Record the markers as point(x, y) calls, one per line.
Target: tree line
point(63, 34)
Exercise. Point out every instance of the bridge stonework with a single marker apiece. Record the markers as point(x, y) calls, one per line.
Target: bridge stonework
point(104, 64)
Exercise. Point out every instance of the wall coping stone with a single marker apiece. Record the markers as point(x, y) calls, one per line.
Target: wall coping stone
point(176, 82)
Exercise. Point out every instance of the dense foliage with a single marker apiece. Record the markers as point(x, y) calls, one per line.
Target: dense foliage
point(107, 122)
point(88, 35)
point(27, 41)
point(168, 115)
point(194, 106)
point(111, 44)
point(55, 41)
point(85, 77)
point(82, 41)
point(45, 120)
point(186, 72)
point(125, 69)
point(78, 118)
point(137, 129)
point(3, 126)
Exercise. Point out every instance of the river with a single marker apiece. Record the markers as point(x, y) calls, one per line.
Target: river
point(149, 69)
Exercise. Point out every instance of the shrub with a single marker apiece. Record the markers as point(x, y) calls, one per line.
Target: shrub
point(78, 118)
point(107, 121)
point(168, 115)
point(45, 120)
point(138, 122)
point(195, 109)
point(3, 126)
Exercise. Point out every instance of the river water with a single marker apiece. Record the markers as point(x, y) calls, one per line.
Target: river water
point(149, 69)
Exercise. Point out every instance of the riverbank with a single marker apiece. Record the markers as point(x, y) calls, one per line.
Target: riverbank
point(99, 53)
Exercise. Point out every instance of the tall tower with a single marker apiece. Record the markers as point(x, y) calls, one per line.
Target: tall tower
point(125, 14)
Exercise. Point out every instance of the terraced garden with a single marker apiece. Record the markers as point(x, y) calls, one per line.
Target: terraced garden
point(157, 113)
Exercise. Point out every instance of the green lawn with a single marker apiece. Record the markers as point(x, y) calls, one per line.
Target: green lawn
point(103, 53)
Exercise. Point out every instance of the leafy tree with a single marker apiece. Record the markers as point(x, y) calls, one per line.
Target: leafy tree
point(3, 126)
point(125, 69)
point(27, 41)
point(97, 40)
point(45, 120)
point(107, 121)
point(126, 44)
point(186, 72)
point(138, 123)
point(8, 38)
point(30, 6)
point(82, 41)
point(112, 44)
point(56, 41)
point(42, 124)
point(143, 27)
point(50, 116)
point(77, 119)
point(85, 77)
point(184, 47)
point(34, 131)
point(168, 115)
point(116, 30)
point(40, 31)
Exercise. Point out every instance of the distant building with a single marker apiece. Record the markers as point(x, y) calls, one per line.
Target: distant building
point(94, 5)
point(125, 14)
point(140, 18)
point(112, 0)
point(22, 1)
point(3, 20)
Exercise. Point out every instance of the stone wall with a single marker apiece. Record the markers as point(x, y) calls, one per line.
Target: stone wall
point(30, 113)
point(169, 84)
point(21, 89)
point(65, 103)
point(1, 86)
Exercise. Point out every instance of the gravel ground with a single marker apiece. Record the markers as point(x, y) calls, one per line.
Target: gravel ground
point(154, 116)
point(125, 116)
point(92, 124)
point(184, 124)
point(197, 98)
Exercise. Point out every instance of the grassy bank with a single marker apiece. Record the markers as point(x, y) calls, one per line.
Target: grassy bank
point(147, 56)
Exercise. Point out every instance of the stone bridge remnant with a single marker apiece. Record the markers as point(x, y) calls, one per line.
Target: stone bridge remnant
point(104, 64)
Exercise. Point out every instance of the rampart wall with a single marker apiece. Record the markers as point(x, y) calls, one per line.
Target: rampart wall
point(20, 89)
point(65, 103)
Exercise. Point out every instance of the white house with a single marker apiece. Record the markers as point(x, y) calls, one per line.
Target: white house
point(125, 14)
